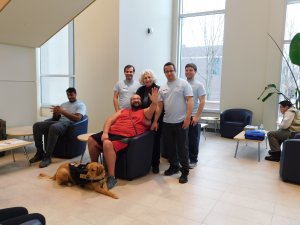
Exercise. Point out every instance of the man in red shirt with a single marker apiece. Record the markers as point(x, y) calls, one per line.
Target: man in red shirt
point(117, 129)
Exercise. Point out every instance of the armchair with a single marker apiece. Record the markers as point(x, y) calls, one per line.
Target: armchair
point(135, 160)
point(290, 160)
point(68, 146)
point(233, 121)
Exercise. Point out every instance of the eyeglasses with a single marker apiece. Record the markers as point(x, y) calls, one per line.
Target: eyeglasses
point(169, 71)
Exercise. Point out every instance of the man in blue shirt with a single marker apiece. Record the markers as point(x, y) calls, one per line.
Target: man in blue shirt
point(199, 101)
point(63, 116)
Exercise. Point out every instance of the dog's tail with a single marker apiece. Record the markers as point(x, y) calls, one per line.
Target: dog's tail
point(43, 175)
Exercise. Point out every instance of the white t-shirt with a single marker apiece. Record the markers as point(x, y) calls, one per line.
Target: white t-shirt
point(126, 90)
point(73, 107)
point(173, 94)
point(198, 91)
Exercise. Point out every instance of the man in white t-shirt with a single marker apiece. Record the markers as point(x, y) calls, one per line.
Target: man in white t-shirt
point(63, 116)
point(199, 102)
point(176, 97)
point(123, 90)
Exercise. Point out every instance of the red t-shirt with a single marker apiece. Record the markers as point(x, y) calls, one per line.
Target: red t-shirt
point(123, 126)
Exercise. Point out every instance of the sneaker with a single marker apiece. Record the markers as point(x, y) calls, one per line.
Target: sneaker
point(111, 182)
point(183, 178)
point(192, 165)
point(155, 169)
point(172, 170)
point(46, 161)
point(272, 158)
point(37, 157)
point(274, 153)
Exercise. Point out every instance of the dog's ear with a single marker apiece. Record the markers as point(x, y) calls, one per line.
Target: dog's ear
point(100, 170)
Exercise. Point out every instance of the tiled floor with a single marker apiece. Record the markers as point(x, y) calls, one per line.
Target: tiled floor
point(222, 190)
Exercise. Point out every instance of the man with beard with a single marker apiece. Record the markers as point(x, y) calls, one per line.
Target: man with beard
point(63, 115)
point(124, 124)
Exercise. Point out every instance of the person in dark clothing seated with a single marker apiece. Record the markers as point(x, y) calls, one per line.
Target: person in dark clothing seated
point(20, 215)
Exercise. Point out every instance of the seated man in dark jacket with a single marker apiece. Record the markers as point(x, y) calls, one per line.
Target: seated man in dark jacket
point(117, 129)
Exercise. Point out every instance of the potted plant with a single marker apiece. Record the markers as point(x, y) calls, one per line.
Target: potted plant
point(294, 54)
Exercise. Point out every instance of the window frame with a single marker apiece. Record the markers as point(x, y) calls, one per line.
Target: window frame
point(71, 66)
point(208, 103)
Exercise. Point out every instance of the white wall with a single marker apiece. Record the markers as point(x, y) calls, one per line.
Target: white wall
point(137, 47)
point(17, 85)
point(250, 59)
point(97, 59)
point(111, 34)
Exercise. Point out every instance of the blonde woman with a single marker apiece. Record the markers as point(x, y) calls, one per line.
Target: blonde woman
point(147, 79)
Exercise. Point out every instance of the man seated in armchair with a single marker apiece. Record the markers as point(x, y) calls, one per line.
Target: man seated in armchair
point(290, 122)
point(63, 116)
point(124, 124)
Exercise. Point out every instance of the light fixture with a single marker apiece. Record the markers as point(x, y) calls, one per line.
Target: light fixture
point(3, 3)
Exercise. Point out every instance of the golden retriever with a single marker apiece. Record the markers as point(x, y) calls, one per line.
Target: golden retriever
point(94, 176)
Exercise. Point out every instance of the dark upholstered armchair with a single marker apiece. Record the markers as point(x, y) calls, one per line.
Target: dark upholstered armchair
point(290, 160)
point(68, 146)
point(233, 121)
point(135, 160)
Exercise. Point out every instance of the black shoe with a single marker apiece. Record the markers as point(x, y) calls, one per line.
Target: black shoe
point(274, 153)
point(183, 178)
point(111, 182)
point(272, 158)
point(37, 157)
point(46, 161)
point(172, 170)
point(155, 169)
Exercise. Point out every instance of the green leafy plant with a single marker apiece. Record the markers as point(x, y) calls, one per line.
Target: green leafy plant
point(294, 55)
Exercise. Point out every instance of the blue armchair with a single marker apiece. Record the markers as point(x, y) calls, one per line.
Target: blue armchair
point(233, 121)
point(68, 146)
point(135, 160)
point(290, 160)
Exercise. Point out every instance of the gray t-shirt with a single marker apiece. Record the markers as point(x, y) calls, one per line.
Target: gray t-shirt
point(73, 107)
point(198, 90)
point(173, 94)
point(126, 90)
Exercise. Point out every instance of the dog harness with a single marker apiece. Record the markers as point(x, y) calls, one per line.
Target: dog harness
point(78, 173)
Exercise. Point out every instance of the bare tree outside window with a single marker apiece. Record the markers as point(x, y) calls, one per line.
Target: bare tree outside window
point(202, 43)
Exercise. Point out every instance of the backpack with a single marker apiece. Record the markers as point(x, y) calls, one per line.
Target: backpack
point(255, 135)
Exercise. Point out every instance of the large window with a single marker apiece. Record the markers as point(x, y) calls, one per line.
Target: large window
point(292, 27)
point(57, 66)
point(201, 42)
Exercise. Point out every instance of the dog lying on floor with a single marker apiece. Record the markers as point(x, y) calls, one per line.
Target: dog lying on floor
point(90, 175)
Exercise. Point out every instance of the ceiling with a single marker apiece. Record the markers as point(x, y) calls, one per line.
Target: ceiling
point(31, 23)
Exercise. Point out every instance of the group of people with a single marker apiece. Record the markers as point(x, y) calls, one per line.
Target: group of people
point(172, 111)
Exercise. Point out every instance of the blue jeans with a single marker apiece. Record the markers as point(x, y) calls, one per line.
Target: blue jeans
point(51, 131)
point(193, 143)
